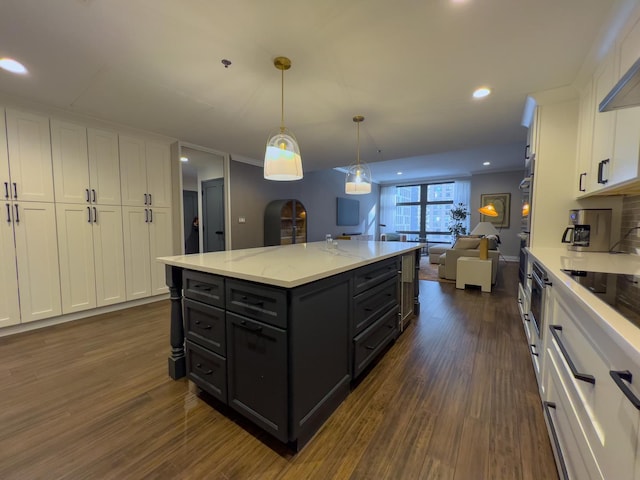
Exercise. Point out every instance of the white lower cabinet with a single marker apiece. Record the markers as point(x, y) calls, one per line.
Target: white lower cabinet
point(9, 305)
point(595, 422)
point(147, 235)
point(91, 256)
point(37, 259)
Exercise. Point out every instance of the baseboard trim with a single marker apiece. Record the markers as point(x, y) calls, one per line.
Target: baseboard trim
point(71, 317)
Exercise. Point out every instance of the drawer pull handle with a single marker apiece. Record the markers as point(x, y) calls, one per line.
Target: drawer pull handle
point(206, 327)
point(625, 376)
point(369, 347)
point(585, 377)
point(531, 346)
point(206, 372)
point(547, 410)
point(368, 277)
point(367, 309)
point(204, 288)
point(253, 328)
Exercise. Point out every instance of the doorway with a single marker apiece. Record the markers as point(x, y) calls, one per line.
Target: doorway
point(213, 215)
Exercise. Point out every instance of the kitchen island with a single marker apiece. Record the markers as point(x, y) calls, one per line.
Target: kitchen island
point(279, 333)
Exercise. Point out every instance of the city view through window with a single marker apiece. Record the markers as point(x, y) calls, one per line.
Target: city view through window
point(422, 211)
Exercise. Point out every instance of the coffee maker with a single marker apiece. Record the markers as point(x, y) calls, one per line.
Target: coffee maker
point(589, 230)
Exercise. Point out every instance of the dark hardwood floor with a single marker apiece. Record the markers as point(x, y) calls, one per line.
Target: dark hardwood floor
point(454, 397)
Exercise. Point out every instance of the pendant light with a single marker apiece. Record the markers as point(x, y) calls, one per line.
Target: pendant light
point(282, 159)
point(358, 175)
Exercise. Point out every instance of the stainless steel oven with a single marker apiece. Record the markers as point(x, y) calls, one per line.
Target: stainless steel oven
point(539, 282)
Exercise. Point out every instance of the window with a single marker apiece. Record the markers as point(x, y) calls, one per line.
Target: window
point(422, 211)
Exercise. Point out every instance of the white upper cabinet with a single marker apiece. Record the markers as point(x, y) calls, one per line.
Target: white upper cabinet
point(145, 172)
point(4, 159)
point(586, 116)
point(604, 125)
point(158, 158)
point(70, 164)
point(104, 167)
point(29, 143)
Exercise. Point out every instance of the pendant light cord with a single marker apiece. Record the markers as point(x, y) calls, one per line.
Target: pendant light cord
point(282, 103)
point(358, 153)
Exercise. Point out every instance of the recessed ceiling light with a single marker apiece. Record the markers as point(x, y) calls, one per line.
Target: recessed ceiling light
point(13, 66)
point(398, 173)
point(184, 159)
point(486, 163)
point(481, 92)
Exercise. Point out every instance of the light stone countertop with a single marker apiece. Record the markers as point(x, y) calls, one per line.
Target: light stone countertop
point(291, 265)
point(625, 334)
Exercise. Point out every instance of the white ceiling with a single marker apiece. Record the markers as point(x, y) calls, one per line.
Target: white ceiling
point(408, 66)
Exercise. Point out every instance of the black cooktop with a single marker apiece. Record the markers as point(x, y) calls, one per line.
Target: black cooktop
point(621, 291)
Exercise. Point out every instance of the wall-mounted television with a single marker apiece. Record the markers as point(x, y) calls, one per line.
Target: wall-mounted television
point(348, 212)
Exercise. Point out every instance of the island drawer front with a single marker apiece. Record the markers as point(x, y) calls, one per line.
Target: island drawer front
point(370, 305)
point(204, 287)
point(370, 343)
point(367, 277)
point(207, 370)
point(259, 302)
point(205, 325)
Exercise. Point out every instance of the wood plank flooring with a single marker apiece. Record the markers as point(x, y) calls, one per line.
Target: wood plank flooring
point(454, 398)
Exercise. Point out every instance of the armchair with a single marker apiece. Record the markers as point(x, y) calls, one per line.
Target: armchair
point(465, 247)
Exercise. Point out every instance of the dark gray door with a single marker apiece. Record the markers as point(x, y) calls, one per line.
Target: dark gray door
point(190, 209)
point(213, 215)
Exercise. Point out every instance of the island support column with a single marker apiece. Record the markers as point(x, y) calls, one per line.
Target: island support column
point(177, 360)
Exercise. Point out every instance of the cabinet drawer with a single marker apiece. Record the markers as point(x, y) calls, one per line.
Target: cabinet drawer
point(257, 372)
point(374, 302)
point(205, 325)
point(207, 370)
point(204, 287)
point(572, 448)
point(367, 277)
point(369, 343)
point(258, 302)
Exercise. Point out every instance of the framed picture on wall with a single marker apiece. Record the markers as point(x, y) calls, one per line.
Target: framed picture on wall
point(502, 204)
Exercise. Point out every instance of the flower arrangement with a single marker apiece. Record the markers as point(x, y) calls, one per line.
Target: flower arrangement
point(458, 214)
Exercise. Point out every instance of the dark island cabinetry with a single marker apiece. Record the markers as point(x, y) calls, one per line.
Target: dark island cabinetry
point(284, 357)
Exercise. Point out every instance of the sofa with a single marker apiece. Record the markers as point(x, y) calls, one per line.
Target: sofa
point(467, 247)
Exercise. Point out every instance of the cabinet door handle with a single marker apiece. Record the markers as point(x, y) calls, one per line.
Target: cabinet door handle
point(93, 191)
point(150, 215)
point(150, 200)
point(206, 372)
point(585, 377)
point(531, 346)
point(547, 410)
point(526, 152)
point(620, 377)
point(146, 215)
point(252, 328)
point(87, 194)
point(89, 214)
point(580, 187)
point(526, 317)
point(95, 215)
point(8, 213)
point(17, 214)
point(601, 165)
point(15, 190)
point(6, 189)
point(145, 199)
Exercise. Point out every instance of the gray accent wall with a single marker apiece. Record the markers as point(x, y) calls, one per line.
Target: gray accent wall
point(318, 191)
